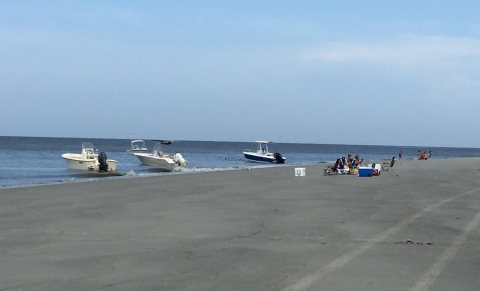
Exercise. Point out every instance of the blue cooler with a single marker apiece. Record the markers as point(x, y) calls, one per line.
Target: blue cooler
point(365, 171)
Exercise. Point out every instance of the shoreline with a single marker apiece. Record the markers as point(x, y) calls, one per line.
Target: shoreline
point(93, 176)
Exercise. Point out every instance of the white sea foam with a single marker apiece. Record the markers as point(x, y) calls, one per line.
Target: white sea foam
point(131, 173)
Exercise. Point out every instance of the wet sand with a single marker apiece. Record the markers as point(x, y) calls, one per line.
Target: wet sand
point(414, 227)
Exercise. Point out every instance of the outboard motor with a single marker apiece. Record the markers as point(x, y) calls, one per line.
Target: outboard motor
point(177, 158)
point(102, 162)
point(278, 158)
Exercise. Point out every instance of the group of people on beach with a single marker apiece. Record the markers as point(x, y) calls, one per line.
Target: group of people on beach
point(350, 165)
point(344, 165)
point(424, 155)
point(353, 162)
point(421, 156)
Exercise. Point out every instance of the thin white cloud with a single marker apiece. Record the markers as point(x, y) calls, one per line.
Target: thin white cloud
point(411, 51)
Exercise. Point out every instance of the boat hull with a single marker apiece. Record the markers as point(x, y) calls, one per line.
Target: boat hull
point(76, 163)
point(149, 159)
point(133, 151)
point(261, 158)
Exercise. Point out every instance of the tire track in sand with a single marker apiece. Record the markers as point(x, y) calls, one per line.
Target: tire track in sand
point(309, 280)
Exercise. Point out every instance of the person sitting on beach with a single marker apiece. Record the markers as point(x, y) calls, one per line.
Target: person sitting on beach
point(333, 168)
point(342, 166)
point(356, 161)
point(425, 155)
point(350, 163)
point(349, 159)
point(353, 165)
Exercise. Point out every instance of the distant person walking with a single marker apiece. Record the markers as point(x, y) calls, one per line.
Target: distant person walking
point(400, 154)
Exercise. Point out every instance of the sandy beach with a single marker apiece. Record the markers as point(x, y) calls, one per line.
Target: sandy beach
point(414, 227)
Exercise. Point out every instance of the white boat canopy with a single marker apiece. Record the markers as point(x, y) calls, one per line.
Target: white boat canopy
point(137, 141)
point(163, 141)
point(260, 141)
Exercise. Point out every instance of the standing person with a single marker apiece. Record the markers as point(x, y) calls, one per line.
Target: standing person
point(400, 154)
point(429, 154)
point(419, 154)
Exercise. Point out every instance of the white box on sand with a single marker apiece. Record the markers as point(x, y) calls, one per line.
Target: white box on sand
point(299, 172)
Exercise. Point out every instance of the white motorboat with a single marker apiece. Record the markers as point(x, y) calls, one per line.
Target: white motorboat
point(137, 146)
point(262, 155)
point(89, 160)
point(161, 159)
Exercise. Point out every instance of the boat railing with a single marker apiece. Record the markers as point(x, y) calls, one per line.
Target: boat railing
point(160, 154)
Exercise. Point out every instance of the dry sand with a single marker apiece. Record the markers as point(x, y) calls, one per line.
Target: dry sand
point(415, 227)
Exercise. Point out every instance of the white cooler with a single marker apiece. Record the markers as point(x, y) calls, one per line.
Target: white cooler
point(299, 172)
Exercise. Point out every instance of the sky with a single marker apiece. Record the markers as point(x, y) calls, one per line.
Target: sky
point(403, 73)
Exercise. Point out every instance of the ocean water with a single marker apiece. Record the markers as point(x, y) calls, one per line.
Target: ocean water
point(37, 160)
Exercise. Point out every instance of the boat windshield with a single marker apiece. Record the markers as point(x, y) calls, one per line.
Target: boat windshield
point(262, 148)
point(87, 145)
point(159, 146)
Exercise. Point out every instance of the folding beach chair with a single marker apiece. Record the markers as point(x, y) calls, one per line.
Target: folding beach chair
point(332, 170)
